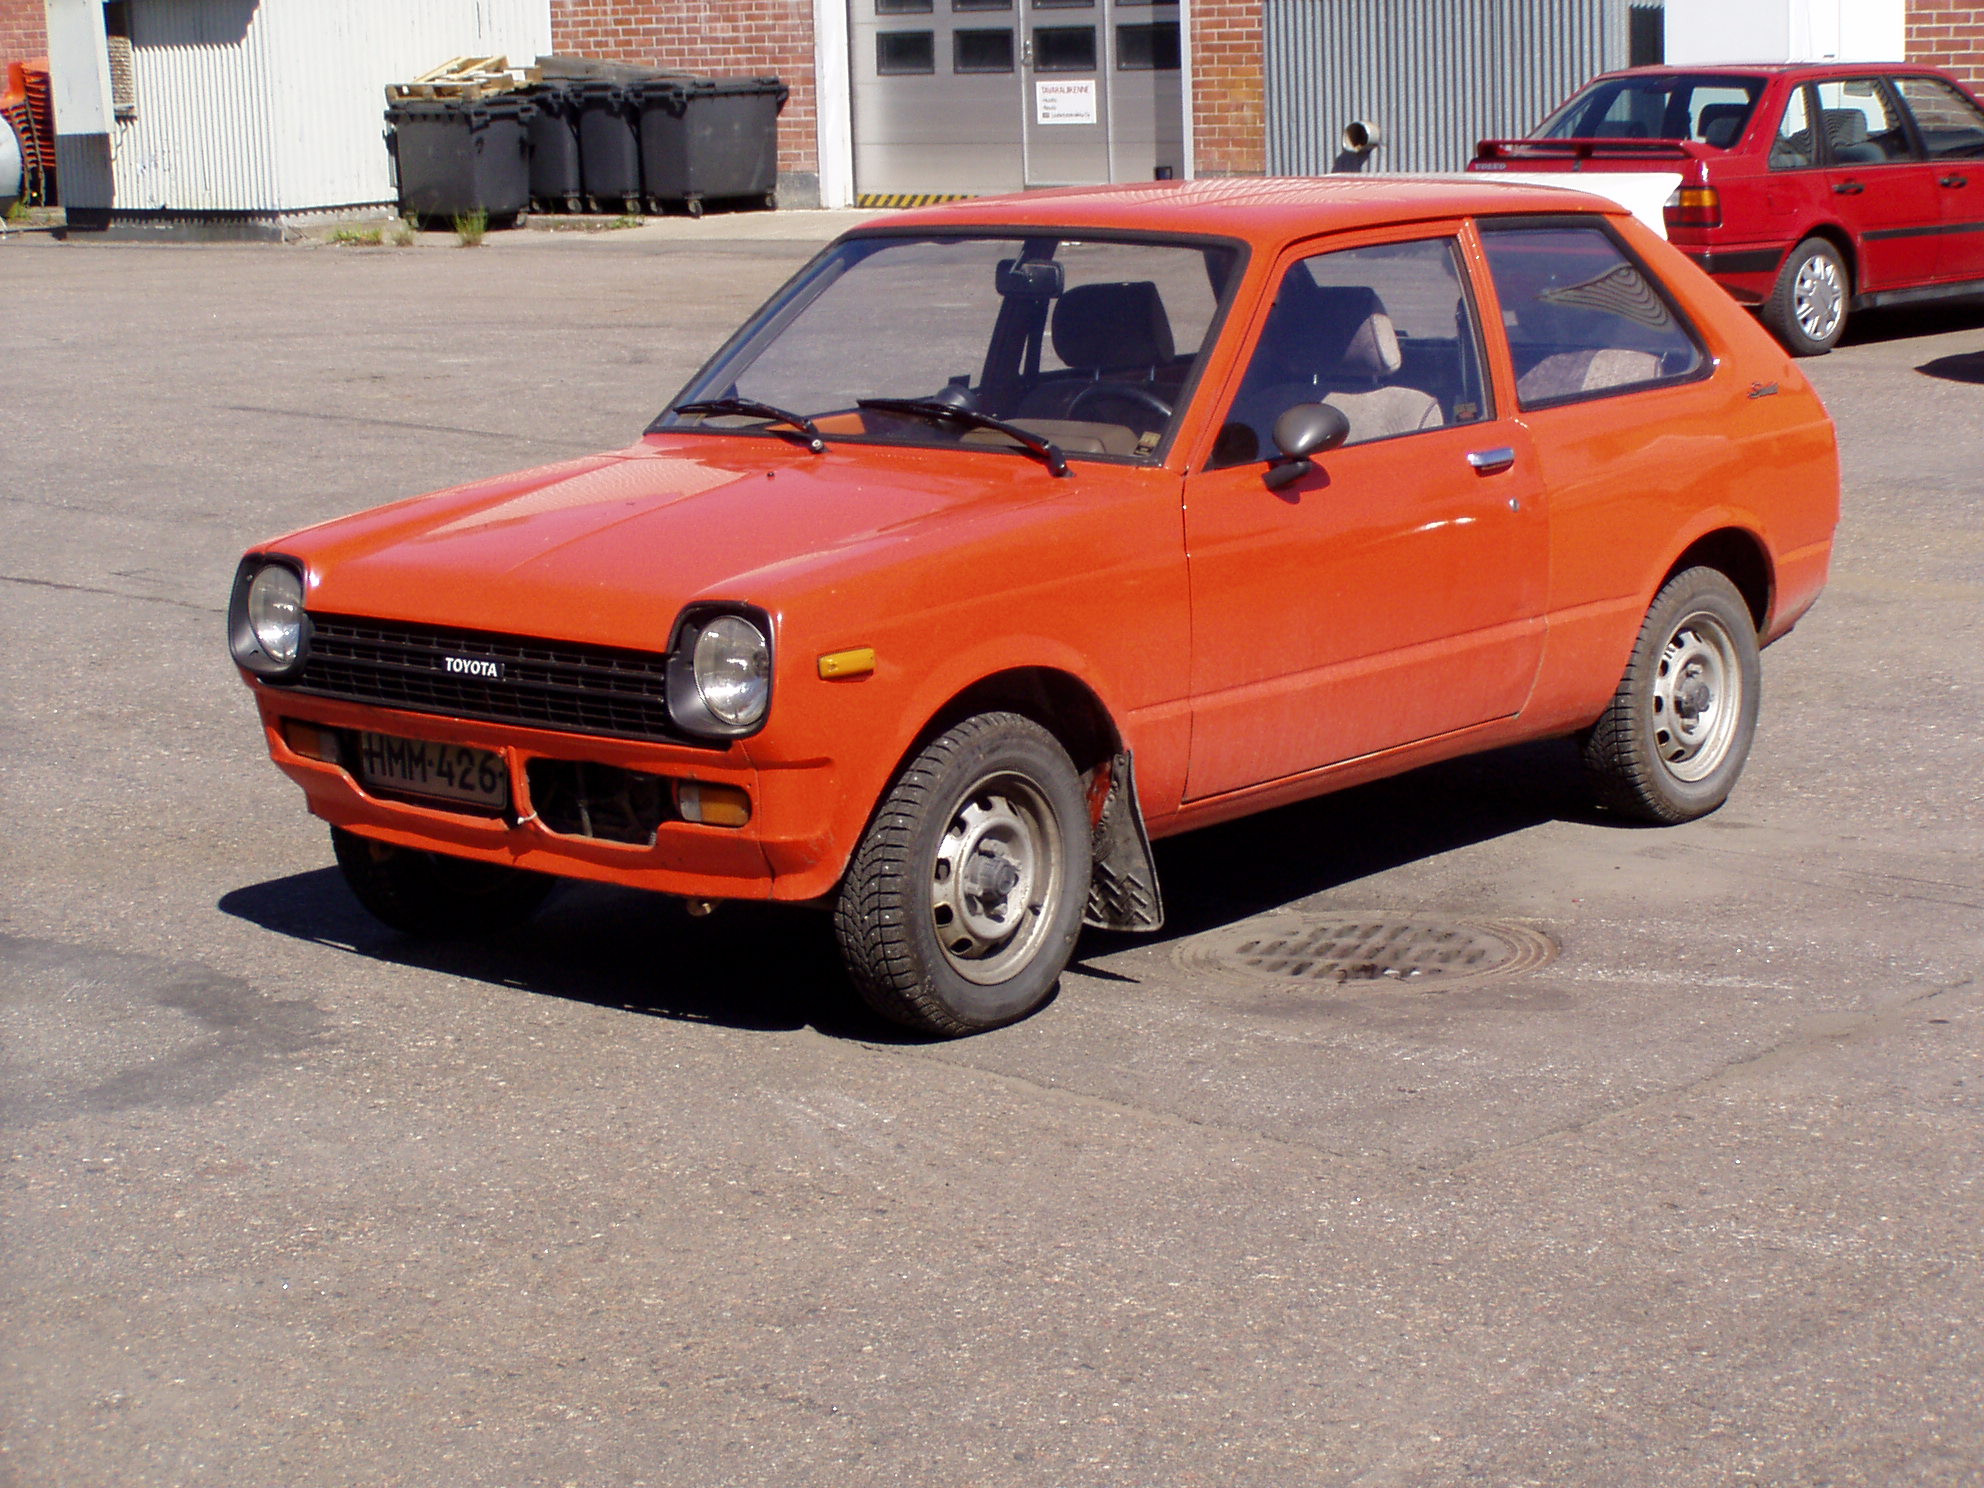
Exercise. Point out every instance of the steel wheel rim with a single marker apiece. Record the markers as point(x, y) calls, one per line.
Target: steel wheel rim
point(994, 879)
point(1816, 296)
point(1697, 698)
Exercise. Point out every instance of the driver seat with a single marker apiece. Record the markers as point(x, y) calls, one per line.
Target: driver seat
point(1106, 332)
point(1333, 344)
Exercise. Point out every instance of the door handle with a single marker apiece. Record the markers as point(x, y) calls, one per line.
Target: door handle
point(1954, 181)
point(1847, 188)
point(1491, 461)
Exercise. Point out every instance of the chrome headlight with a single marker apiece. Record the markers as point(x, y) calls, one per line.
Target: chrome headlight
point(720, 672)
point(266, 628)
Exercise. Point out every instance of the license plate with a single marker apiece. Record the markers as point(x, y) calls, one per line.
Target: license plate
point(447, 772)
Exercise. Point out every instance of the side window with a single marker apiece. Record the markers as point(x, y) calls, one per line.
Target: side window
point(1860, 126)
point(1951, 126)
point(1793, 148)
point(1582, 319)
point(1386, 333)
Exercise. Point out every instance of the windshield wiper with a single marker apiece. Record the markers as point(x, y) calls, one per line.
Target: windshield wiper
point(752, 408)
point(950, 413)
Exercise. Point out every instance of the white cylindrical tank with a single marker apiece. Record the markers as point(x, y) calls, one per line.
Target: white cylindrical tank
point(1704, 32)
point(10, 166)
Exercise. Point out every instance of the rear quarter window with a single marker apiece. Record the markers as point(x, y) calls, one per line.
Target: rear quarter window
point(1583, 318)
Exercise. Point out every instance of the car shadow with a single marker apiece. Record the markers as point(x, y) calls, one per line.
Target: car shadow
point(1215, 876)
point(1967, 366)
point(774, 968)
point(1905, 321)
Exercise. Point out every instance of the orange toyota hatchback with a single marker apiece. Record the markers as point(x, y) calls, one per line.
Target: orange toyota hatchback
point(1015, 533)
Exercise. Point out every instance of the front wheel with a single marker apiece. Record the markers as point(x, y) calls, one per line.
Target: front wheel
point(965, 897)
point(431, 894)
point(1807, 308)
point(1674, 739)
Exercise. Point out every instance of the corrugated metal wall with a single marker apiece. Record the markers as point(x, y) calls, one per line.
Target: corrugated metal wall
point(1433, 75)
point(272, 106)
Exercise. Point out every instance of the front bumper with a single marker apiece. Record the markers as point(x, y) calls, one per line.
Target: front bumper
point(785, 851)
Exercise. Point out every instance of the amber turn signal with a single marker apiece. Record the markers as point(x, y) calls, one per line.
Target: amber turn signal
point(310, 741)
point(856, 663)
point(712, 805)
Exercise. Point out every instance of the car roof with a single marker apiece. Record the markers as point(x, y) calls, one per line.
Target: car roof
point(1777, 69)
point(1259, 209)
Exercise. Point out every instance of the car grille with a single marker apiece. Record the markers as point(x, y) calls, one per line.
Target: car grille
point(544, 684)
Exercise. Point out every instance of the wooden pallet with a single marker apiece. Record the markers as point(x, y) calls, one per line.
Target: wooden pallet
point(467, 78)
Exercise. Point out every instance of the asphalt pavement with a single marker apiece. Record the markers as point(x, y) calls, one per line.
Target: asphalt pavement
point(628, 1198)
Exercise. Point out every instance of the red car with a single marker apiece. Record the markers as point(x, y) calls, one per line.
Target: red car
point(1012, 534)
point(1806, 190)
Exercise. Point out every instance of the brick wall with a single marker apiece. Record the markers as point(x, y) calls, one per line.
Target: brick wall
point(1229, 109)
point(23, 33)
point(723, 38)
point(1949, 34)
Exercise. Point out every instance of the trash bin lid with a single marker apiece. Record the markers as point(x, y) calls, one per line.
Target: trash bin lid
point(502, 106)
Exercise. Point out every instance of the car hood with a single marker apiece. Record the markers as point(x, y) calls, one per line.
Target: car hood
point(606, 549)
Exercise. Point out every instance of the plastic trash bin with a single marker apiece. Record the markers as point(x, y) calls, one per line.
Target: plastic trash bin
point(456, 157)
point(709, 138)
point(557, 182)
point(609, 146)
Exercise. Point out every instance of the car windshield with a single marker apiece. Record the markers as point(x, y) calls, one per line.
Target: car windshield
point(1086, 343)
point(1666, 106)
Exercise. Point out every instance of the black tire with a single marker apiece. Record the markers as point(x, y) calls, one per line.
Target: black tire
point(1674, 738)
point(965, 897)
point(693, 206)
point(1807, 307)
point(430, 894)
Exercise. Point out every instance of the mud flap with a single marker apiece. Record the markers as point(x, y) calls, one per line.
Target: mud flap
point(1122, 886)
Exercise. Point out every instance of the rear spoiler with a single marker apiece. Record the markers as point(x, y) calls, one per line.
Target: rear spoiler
point(1588, 149)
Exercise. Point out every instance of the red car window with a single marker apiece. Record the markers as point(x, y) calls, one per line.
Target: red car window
point(1795, 147)
point(1951, 126)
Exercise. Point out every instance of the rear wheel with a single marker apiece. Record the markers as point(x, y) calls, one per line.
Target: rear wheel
point(964, 900)
point(1674, 739)
point(1807, 308)
point(431, 894)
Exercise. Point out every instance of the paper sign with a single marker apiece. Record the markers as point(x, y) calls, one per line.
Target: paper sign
point(1064, 103)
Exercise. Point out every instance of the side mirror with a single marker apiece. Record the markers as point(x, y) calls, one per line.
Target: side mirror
point(1304, 430)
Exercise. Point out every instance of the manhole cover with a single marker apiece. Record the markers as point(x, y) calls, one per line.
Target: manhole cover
point(1386, 949)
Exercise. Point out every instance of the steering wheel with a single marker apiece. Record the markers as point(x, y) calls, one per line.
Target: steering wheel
point(1126, 392)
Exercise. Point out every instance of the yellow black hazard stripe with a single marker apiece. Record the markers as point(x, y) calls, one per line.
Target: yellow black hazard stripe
point(874, 199)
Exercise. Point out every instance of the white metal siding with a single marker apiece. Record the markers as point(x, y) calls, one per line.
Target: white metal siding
point(1433, 75)
point(273, 106)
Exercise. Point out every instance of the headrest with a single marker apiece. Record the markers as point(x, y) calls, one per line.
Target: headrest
point(1344, 333)
point(1100, 326)
point(1845, 126)
point(1721, 123)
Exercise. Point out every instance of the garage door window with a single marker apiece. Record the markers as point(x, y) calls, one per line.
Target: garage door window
point(898, 52)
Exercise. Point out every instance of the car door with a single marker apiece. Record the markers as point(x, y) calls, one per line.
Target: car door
point(1885, 193)
point(1950, 126)
point(1796, 191)
point(1392, 593)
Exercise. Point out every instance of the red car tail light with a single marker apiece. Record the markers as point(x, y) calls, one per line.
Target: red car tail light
point(1694, 206)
